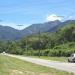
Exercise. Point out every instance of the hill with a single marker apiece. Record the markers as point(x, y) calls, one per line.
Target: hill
point(59, 43)
point(42, 27)
point(8, 33)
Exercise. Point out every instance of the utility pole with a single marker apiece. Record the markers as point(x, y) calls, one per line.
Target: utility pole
point(49, 47)
point(39, 42)
point(27, 44)
point(26, 39)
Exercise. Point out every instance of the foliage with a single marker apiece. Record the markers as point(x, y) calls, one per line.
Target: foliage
point(59, 43)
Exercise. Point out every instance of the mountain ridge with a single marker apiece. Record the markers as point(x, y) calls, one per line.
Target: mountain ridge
point(9, 33)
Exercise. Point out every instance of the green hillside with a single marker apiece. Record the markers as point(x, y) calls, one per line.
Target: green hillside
point(59, 43)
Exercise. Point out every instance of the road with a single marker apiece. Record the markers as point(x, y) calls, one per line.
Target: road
point(69, 67)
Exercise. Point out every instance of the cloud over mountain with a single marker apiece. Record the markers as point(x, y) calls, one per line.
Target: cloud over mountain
point(53, 17)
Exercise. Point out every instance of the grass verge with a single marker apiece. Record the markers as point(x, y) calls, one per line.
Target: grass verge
point(14, 66)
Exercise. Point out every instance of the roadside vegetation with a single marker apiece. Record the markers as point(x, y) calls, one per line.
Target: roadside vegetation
point(57, 44)
point(14, 66)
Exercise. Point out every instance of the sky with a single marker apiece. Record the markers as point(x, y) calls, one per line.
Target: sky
point(27, 12)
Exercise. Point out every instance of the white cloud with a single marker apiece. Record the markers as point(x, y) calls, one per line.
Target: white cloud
point(53, 17)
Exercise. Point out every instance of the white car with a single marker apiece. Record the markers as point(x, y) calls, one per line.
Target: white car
point(72, 58)
point(4, 53)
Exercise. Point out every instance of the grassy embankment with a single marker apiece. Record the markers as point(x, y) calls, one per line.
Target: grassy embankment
point(13, 66)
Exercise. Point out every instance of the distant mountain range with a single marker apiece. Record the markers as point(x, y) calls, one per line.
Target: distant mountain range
point(9, 33)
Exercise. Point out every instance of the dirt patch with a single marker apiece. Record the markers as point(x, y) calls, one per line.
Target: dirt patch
point(29, 73)
point(35, 73)
point(17, 72)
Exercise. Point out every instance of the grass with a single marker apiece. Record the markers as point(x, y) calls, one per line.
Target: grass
point(14, 66)
point(62, 59)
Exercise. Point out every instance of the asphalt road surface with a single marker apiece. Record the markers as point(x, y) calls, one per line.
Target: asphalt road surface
point(69, 67)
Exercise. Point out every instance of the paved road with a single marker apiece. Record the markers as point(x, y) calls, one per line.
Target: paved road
point(69, 67)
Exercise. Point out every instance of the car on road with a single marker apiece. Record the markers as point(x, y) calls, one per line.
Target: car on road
point(72, 58)
point(4, 53)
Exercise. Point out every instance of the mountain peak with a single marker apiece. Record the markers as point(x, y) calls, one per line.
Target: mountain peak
point(55, 21)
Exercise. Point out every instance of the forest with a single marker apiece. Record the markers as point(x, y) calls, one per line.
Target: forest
point(58, 43)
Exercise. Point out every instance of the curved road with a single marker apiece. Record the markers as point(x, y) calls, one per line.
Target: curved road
point(69, 67)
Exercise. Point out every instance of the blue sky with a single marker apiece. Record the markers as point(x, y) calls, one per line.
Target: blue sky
point(27, 12)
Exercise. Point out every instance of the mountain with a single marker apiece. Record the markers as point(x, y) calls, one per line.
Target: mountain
point(9, 33)
point(42, 27)
point(62, 24)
